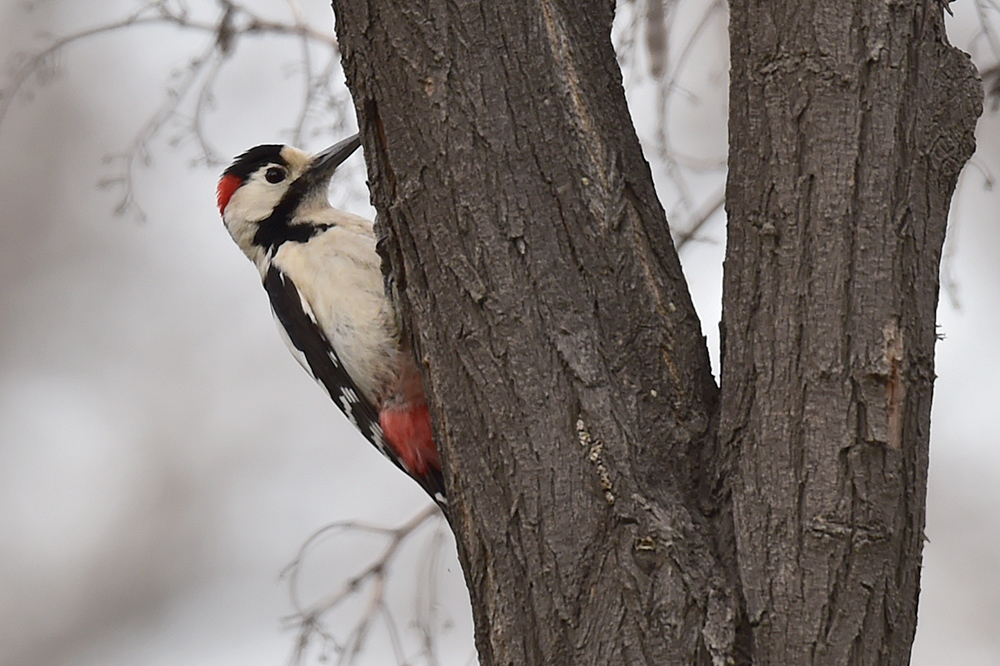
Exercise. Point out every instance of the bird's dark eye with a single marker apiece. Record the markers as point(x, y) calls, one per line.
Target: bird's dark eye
point(275, 175)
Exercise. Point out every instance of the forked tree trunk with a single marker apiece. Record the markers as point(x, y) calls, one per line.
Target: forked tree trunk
point(568, 377)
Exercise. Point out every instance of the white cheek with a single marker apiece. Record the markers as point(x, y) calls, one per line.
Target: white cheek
point(253, 202)
point(248, 206)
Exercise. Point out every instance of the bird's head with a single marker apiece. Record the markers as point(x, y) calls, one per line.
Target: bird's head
point(264, 193)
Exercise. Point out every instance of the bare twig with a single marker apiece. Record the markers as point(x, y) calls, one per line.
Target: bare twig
point(197, 78)
point(138, 149)
point(427, 605)
point(656, 19)
point(666, 90)
point(986, 27)
point(309, 618)
point(700, 217)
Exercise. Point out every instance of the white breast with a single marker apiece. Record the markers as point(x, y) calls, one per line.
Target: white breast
point(338, 273)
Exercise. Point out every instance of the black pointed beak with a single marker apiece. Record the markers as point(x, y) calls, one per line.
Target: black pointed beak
point(325, 163)
point(315, 180)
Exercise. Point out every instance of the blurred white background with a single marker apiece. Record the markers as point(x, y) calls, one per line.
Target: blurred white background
point(162, 457)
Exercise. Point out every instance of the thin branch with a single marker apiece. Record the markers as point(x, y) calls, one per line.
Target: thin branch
point(982, 7)
point(138, 149)
point(309, 618)
point(206, 100)
point(427, 586)
point(197, 79)
point(37, 63)
point(667, 67)
point(700, 217)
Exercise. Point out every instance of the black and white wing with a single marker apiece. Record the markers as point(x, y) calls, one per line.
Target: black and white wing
point(314, 352)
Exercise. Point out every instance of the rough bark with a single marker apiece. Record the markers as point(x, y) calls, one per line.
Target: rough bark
point(565, 365)
point(593, 500)
point(848, 127)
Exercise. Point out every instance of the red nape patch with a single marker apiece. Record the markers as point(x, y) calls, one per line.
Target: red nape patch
point(227, 185)
point(408, 432)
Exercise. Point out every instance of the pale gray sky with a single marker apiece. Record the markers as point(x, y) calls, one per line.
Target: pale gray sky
point(162, 457)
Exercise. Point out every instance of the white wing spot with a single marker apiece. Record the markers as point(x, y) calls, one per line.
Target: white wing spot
point(346, 403)
point(333, 358)
point(377, 437)
point(306, 308)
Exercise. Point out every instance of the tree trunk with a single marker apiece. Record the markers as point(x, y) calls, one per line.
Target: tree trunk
point(568, 378)
point(848, 127)
point(566, 369)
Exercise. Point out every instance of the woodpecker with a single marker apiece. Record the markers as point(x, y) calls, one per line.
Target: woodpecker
point(323, 277)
